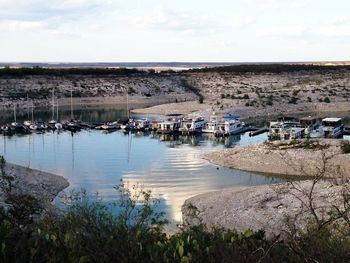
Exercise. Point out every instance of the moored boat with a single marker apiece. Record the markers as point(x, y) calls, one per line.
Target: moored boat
point(211, 126)
point(110, 126)
point(231, 125)
point(171, 125)
point(333, 127)
point(142, 124)
point(193, 125)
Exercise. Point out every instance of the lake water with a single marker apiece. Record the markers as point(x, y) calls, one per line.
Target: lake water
point(171, 167)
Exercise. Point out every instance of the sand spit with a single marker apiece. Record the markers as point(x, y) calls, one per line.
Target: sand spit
point(262, 207)
point(301, 158)
point(41, 185)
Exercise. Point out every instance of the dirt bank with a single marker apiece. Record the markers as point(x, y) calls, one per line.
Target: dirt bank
point(41, 185)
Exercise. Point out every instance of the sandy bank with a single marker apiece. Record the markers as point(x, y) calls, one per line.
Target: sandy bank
point(41, 185)
point(305, 158)
point(262, 207)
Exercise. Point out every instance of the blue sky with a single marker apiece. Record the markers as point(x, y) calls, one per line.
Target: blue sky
point(174, 30)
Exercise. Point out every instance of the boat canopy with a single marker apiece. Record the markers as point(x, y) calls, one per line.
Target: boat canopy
point(233, 117)
point(331, 119)
point(174, 114)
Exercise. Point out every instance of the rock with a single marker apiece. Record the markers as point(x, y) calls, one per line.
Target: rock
point(41, 185)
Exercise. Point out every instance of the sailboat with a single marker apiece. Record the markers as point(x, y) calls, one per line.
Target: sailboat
point(27, 123)
point(72, 125)
point(16, 125)
point(54, 123)
point(58, 125)
point(33, 126)
point(130, 124)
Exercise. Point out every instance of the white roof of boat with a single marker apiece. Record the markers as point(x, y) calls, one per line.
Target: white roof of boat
point(331, 119)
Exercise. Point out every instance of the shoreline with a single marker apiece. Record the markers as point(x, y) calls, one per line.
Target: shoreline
point(267, 206)
point(41, 185)
point(279, 158)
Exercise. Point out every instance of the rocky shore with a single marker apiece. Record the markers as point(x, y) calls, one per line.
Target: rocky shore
point(262, 207)
point(304, 158)
point(268, 207)
point(41, 185)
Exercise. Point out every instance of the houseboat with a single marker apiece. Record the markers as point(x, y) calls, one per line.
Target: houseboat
point(333, 127)
point(171, 125)
point(286, 128)
point(211, 126)
point(193, 125)
point(231, 125)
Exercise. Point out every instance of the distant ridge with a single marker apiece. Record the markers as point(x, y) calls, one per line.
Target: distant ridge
point(159, 65)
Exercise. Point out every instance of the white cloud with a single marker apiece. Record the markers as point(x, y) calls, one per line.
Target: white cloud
point(337, 20)
point(283, 31)
point(333, 31)
point(239, 21)
point(189, 22)
point(18, 25)
point(275, 4)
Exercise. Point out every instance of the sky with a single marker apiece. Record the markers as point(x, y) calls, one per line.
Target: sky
point(174, 30)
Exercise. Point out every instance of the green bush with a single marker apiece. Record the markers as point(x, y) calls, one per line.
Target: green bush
point(345, 147)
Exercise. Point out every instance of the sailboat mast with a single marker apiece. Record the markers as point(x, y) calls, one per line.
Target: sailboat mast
point(127, 104)
point(57, 111)
point(14, 112)
point(32, 112)
point(53, 103)
point(27, 107)
point(71, 104)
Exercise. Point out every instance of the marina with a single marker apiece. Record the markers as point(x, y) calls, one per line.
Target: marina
point(170, 165)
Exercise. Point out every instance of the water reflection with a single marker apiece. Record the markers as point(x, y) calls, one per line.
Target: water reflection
point(171, 166)
point(95, 113)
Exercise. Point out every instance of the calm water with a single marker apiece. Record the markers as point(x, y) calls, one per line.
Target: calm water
point(171, 167)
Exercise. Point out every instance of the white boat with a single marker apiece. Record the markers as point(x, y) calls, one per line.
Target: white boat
point(129, 126)
point(285, 129)
point(55, 123)
point(231, 125)
point(110, 126)
point(30, 123)
point(193, 125)
point(313, 127)
point(40, 125)
point(211, 126)
point(333, 127)
point(170, 125)
point(142, 124)
point(58, 126)
point(33, 127)
point(27, 123)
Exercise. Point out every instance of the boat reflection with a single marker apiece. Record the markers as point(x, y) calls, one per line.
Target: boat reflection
point(198, 140)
